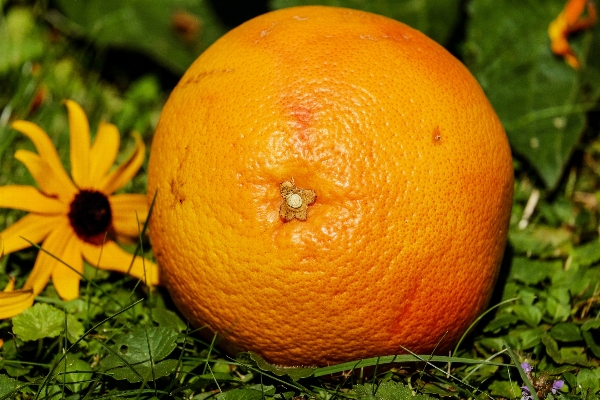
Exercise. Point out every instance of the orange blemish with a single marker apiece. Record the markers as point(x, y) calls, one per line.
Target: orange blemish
point(436, 136)
point(567, 22)
point(302, 117)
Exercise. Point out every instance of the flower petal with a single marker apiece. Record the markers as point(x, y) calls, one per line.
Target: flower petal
point(49, 183)
point(32, 227)
point(111, 257)
point(104, 151)
point(123, 174)
point(29, 198)
point(66, 275)
point(129, 213)
point(80, 144)
point(46, 151)
point(52, 248)
point(15, 302)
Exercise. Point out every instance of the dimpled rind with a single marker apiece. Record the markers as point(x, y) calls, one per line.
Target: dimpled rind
point(412, 173)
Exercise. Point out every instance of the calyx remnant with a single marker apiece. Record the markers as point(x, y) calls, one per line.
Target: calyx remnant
point(295, 201)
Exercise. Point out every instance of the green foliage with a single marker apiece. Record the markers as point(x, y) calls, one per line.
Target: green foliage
point(387, 390)
point(172, 32)
point(44, 321)
point(541, 100)
point(136, 355)
point(118, 340)
point(21, 39)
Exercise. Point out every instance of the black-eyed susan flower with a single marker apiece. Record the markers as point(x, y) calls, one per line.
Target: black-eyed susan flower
point(77, 217)
point(570, 20)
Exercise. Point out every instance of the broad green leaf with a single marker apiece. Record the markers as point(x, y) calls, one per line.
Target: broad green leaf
point(587, 254)
point(566, 332)
point(541, 241)
point(39, 322)
point(531, 337)
point(552, 348)
point(575, 356)
point(556, 310)
point(531, 271)
point(145, 372)
point(587, 382)
point(168, 319)
point(255, 392)
point(507, 389)
point(540, 99)
point(133, 352)
point(493, 344)
point(571, 379)
point(501, 321)
point(173, 32)
point(591, 330)
point(388, 390)
point(75, 373)
point(74, 329)
point(21, 39)
point(7, 385)
point(531, 315)
point(437, 19)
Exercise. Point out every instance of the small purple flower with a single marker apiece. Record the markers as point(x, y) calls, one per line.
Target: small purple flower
point(525, 393)
point(526, 367)
point(557, 385)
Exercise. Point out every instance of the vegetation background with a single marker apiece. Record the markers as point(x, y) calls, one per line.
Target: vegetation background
point(120, 59)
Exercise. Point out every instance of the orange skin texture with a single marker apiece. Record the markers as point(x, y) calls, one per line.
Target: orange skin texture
point(412, 173)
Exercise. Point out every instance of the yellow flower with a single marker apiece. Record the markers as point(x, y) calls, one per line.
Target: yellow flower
point(76, 218)
point(568, 21)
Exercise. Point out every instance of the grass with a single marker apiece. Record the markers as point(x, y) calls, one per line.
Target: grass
point(119, 340)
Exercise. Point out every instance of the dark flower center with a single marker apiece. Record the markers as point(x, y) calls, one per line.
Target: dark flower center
point(90, 216)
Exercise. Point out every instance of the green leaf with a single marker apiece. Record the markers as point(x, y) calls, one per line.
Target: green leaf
point(388, 390)
point(132, 354)
point(39, 322)
point(557, 310)
point(587, 382)
point(540, 99)
point(257, 392)
point(540, 240)
point(75, 373)
point(531, 315)
point(75, 329)
point(436, 19)
point(531, 271)
point(7, 385)
point(552, 348)
point(168, 319)
point(566, 332)
point(587, 254)
point(145, 372)
point(507, 389)
point(172, 32)
point(575, 356)
point(531, 337)
point(501, 321)
point(588, 335)
point(293, 372)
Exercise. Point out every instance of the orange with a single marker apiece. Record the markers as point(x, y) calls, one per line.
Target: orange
point(410, 166)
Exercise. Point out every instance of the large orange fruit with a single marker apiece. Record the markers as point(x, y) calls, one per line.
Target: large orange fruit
point(411, 170)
